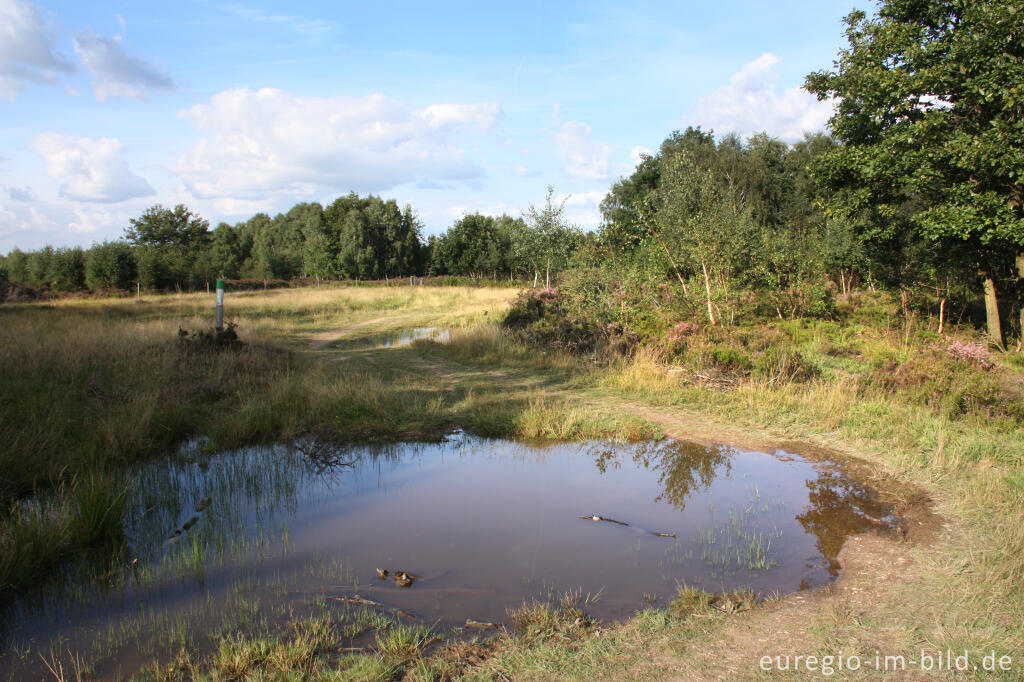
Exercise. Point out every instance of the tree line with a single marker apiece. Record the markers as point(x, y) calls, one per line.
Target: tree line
point(356, 238)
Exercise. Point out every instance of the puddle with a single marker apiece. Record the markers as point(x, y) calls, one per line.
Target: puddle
point(265, 534)
point(397, 339)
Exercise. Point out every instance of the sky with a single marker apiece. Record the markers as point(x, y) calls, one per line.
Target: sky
point(234, 108)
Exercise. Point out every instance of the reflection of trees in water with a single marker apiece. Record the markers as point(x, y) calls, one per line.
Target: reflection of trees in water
point(838, 507)
point(682, 467)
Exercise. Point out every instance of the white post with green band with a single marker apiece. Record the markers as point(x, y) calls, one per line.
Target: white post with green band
point(220, 305)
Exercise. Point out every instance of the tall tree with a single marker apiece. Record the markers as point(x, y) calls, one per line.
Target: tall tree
point(170, 241)
point(929, 109)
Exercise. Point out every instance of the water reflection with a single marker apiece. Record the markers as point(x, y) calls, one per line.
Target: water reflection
point(396, 339)
point(839, 507)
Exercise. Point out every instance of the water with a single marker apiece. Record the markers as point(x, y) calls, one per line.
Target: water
point(397, 339)
point(486, 524)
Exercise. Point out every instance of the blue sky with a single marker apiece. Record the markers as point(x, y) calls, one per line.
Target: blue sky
point(231, 108)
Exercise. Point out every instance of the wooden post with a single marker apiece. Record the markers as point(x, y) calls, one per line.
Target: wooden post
point(138, 291)
point(219, 326)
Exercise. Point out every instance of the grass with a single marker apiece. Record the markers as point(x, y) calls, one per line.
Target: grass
point(94, 387)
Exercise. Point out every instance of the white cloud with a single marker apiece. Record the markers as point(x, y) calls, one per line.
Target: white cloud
point(583, 157)
point(24, 194)
point(90, 169)
point(93, 219)
point(637, 154)
point(481, 115)
point(750, 104)
point(583, 208)
point(308, 28)
point(25, 224)
point(269, 141)
point(26, 49)
point(115, 72)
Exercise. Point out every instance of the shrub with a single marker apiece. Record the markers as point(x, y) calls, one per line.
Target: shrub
point(211, 339)
point(728, 359)
point(539, 317)
point(780, 365)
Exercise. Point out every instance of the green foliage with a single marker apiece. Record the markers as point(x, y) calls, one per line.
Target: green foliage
point(544, 241)
point(728, 359)
point(164, 227)
point(928, 104)
point(110, 265)
point(376, 239)
point(476, 245)
point(783, 365)
point(205, 340)
point(540, 317)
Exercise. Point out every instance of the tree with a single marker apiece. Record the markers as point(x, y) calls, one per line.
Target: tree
point(704, 221)
point(547, 240)
point(169, 241)
point(110, 265)
point(159, 226)
point(475, 245)
point(929, 111)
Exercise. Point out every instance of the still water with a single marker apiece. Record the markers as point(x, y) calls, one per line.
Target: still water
point(226, 541)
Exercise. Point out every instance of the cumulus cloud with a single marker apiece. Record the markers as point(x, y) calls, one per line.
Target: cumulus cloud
point(482, 114)
point(257, 142)
point(23, 194)
point(750, 103)
point(583, 157)
point(90, 169)
point(26, 48)
point(583, 208)
point(115, 72)
point(637, 154)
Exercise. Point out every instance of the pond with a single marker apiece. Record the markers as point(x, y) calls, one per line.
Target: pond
point(252, 537)
point(396, 339)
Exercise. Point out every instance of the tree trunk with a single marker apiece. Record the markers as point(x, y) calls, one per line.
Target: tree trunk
point(707, 289)
point(547, 274)
point(1020, 297)
point(995, 330)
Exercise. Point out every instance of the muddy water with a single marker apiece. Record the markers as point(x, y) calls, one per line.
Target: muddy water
point(244, 539)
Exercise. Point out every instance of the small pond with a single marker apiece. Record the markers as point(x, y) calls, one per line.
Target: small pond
point(396, 339)
point(251, 537)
